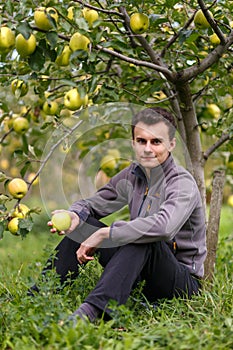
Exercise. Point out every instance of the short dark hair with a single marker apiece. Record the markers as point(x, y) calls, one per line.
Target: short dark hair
point(155, 115)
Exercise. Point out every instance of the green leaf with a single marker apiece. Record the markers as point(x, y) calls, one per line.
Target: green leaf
point(2, 229)
point(37, 60)
point(24, 29)
point(52, 38)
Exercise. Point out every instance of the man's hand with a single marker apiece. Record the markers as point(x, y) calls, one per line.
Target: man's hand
point(88, 247)
point(74, 222)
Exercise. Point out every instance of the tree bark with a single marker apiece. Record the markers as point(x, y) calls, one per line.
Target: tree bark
point(213, 223)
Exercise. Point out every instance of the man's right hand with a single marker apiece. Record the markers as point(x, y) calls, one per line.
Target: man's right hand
point(74, 222)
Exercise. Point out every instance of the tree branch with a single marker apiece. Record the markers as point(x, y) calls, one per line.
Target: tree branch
point(217, 144)
point(110, 12)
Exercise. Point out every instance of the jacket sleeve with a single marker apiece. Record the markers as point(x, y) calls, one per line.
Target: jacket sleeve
point(107, 199)
point(181, 198)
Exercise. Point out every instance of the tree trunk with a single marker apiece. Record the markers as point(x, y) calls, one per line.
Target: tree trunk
point(213, 223)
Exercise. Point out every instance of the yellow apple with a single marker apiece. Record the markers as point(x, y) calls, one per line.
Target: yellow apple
point(61, 221)
point(214, 39)
point(13, 226)
point(108, 163)
point(230, 200)
point(70, 13)
point(90, 15)
point(7, 39)
point(200, 20)
point(45, 18)
point(31, 176)
point(227, 101)
point(20, 125)
point(73, 100)
point(213, 110)
point(20, 211)
point(19, 87)
point(25, 47)
point(4, 164)
point(17, 187)
point(114, 153)
point(64, 57)
point(50, 107)
point(139, 22)
point(79, 42)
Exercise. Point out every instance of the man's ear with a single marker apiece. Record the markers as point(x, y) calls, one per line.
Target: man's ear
point(172, 144)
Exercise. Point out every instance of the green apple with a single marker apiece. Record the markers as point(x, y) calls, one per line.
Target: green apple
point(79, 42)
point(7, 39)
point(108, 163)
point(90, 15)
point(13, 226)
point(45, 18)
point(19, 87)
point(230, 200)
point(114, 153)
point(64, 58)
point(20, 211)
point(17, 187)
point(139, 22)
point(214, 39)
point(213, 110)
point(61, 221)
point(200, 20)
point(73, 100)
point(50, 107)
point(20, 125)
point(227, 101)
point(25, 47)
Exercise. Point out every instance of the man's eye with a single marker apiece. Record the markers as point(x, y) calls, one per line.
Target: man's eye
point(141, 141)
point(155, 142)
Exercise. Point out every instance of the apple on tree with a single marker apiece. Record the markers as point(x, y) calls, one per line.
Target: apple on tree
point(21, 211)
point(213, 110)
point(200, 20)
point(73, 100)
point(45, 18)
point(7, 39)
point(79, 42)
point(139, 22)
point(13, 226)
point(50, 107)
point(25, 47)
point(90, 15)
point(64, 57)
point(19, 87)
point(17, 187)
point(20, 125)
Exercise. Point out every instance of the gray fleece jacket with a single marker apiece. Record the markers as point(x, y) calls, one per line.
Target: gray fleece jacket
point(165, 207)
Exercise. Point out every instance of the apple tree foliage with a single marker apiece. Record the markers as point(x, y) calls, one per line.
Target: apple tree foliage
point(173, 64)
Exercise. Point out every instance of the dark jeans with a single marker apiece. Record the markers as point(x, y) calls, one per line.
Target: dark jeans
point(124, 266)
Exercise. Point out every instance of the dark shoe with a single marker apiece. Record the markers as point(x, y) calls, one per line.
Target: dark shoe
point(85, 312)
point(32, 291)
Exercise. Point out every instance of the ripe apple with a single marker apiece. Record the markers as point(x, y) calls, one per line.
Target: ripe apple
point(214, 39)
point(139, 22)
point(90, 15)
point(64, 57)
point(4, 164)
point(20, 125)
point(21, 211)
point(25, 47)
point(200, 20)
point(114, 153)
point(13, 226)
point(7, 39)
point(61, 221)
point(230, 200)
point(31, 176)
point(17, 187)
point(79, 42)
point(70, 13)
point(108, 163)
point(50, 107)
point(45, 18)
point(73, 101)
point(19, 87)
point(213, 110)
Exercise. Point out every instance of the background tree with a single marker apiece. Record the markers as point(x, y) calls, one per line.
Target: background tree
point(66, 57)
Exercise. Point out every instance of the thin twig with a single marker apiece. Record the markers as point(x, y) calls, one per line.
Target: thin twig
point(217, 144)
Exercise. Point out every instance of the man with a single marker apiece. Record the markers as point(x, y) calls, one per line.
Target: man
point(163, 244)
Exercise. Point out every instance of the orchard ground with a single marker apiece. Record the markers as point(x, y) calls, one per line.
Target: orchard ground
point(205, 322)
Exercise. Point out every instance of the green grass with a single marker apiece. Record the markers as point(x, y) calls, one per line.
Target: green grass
point(205, 322)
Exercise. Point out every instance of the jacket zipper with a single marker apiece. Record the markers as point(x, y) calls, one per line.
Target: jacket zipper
point(143, 200)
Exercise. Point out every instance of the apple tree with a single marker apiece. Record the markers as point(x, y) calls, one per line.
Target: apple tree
point(59, 58)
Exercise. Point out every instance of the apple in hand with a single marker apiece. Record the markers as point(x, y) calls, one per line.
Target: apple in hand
point(73, 100)
point(61, 221)
point(139, 22)
point(7, 39)
point(79, 42)
point(45, 18)
point(25, 47)
point(20, 125)
point(17, 188)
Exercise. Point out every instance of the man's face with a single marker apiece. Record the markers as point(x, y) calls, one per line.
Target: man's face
point(151, 144)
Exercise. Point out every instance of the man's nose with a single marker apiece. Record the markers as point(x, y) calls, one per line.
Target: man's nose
point(148, 146)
